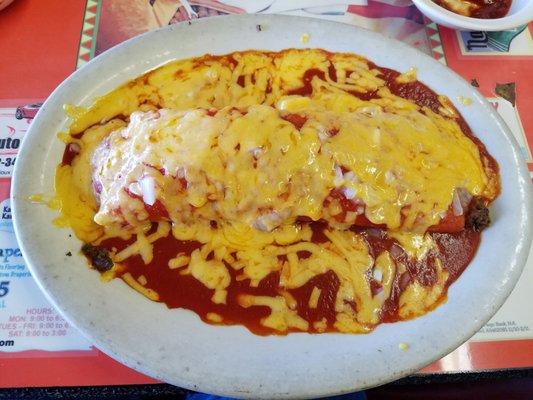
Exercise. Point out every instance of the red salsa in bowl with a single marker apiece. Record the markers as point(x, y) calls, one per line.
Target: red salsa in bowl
point(484, 9)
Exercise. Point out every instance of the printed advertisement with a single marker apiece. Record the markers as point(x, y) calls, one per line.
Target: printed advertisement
point(27, 320)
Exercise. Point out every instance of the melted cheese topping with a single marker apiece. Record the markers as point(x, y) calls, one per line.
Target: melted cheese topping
point(210, 140)
point(258, 169)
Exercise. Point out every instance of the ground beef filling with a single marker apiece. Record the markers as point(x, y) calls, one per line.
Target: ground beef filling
point(98, 257)
point(477, 217)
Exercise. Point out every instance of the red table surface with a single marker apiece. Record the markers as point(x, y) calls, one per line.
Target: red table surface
point(38, 46)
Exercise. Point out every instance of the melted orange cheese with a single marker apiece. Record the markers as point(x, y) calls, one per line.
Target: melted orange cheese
point(258, 169)
point(254, 173)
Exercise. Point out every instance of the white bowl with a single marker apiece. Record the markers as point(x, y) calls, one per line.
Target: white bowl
point(521, 13)
point(5, 3)
point(175, 345)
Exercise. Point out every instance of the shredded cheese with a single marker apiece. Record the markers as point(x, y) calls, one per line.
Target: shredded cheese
point(147, 292)
point(211, 140)
point(142, 280)
point(181, 260)
point(213, 274)
point(143, 244)
point(281, 317)
point(214, 317)
point(417, 299)
point(315, 296)
point(320, 326)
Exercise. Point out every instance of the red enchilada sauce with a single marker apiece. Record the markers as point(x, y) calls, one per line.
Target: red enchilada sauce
point(485, 9)
point(455, 249)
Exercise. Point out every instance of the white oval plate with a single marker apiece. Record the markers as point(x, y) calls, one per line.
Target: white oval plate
point(175, 345)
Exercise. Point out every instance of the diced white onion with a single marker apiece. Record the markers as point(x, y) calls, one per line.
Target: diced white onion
point(464, 196)
point(349, 176)
point(269, 221)
point(456, 204)
point(338, 172)
point(339, 178)
point(256, 152)
point(323, 135)
point(148, 190)
point(349, 193)
point(377, 274)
